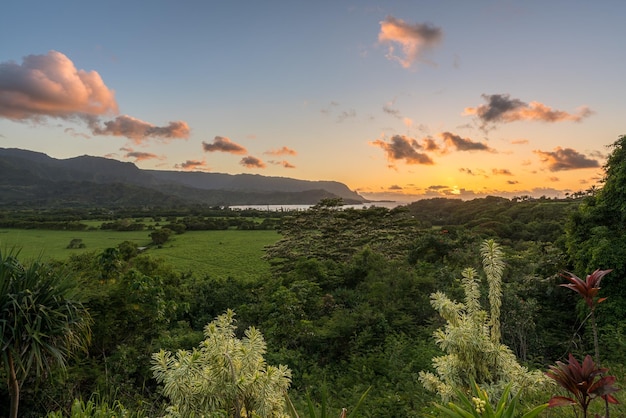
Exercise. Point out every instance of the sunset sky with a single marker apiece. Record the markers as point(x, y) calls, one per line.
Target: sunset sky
point(398, 100)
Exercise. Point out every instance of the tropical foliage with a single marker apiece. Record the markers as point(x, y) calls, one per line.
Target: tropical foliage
point(585, 382)
point(480, 405)
point(471, 338)
point(224, 377)
point(41, 324)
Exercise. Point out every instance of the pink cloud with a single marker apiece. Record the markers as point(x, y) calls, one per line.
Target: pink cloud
point(142, 156)
point(501, 108)
point(252, 162)
point(192, 165)
point(565, 159)
point(224, 144)
point(281, 151)
point(138, 130)
point(284, 163)
point(50, 85)
point(401, 147)
point(414, 39)
point(463, 144)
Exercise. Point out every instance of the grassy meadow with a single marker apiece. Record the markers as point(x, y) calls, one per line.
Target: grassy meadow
point(216, 253)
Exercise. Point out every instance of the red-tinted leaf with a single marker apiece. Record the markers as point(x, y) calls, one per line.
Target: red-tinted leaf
point(588, 367)
point(610, 399)
point(604, 386)
point(593, 280)
point(560, 401)
point(601, 300)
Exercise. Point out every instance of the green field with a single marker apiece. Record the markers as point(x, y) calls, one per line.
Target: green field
point(216, 253)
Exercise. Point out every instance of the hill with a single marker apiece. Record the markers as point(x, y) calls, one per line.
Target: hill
point(29, 178)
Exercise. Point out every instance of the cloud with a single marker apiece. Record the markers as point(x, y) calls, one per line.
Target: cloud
point(395, 187)
point(393, 112)
point(138, 130)
point(501, 172)
point(476, 172)
point(414, 39)
point(192, 165)
point(285, 164)
point(50, 86)
point(281, 151)
point(252, 162)
point(565, 159)
point(224, 144)
point(346, 114)
point(72, 132)
point(141, 156)
point(501, 108)
point(404, 148)
point(429, 144)
point(519, 141)
point(463, 144)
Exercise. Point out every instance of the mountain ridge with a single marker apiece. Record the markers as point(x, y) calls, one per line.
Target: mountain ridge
point(31, 177)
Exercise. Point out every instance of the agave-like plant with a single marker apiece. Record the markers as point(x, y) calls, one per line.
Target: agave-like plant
point(588, 288)
point(479, 405)
point(585, 382)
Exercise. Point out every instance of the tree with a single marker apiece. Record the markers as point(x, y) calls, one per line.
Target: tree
point(471, 338)
point(596, 233)
point(76, 243)
point(40, 322)
point(224, 377)
point(160, 236)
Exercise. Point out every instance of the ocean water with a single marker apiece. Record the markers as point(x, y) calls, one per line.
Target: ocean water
point(281, 208)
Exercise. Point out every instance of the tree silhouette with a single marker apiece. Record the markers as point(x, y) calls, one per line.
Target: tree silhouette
point(41, 325)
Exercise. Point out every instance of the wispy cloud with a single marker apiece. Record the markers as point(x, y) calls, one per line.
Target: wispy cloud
point(223, 144)
point(565, 159)
point(501, 172)
point(463, 144)
point(413, 39)
point(50, 86)
point(72, 132)
point(501, 108)
point(252, 162)
point(403, 148)
point(284, 163)
point(392, 112)
point(142, 156)
point(474, 172)
point(281, 151)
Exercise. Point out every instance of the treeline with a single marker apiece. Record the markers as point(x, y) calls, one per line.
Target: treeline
point(133, 220)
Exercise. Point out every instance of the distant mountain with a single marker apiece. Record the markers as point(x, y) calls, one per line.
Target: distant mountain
point(32, 178)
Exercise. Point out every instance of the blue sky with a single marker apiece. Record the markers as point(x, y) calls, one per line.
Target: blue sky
point(397, 99)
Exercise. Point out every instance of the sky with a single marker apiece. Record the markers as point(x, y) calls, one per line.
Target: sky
point(399, 100)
